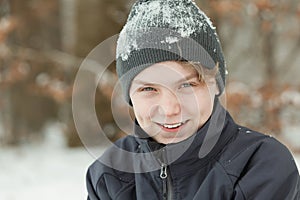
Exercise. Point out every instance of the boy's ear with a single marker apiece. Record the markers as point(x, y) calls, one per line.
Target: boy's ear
point(216, 88)
point(220, 84)
point(213, 86)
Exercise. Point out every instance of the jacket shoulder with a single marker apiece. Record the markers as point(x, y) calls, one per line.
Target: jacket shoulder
point(104, 177)
point(249, 144)
point(120, 147)
point(253, 159)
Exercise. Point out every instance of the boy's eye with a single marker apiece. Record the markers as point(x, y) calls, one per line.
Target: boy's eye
point(147, 89)
point(185, 85)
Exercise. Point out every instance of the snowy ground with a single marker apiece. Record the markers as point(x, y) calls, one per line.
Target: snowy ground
point(32, 173)
point(47, 171)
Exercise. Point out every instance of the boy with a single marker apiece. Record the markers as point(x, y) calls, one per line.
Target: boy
point(185, 144)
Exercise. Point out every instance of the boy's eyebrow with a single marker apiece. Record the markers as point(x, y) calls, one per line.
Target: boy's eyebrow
point(188, 77)
point(141, 82)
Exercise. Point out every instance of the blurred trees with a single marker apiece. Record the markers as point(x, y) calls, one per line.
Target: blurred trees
point(31, 84)
point(97, 21)
point(261, 42)
point(43, 42)
point(42, 46)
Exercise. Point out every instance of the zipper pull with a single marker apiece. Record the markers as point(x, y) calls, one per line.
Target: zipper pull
point(163, 171)
point(163, 176)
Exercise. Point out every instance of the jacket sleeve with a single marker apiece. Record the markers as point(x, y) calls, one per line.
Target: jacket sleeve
point(95, 192)
point(270, 174)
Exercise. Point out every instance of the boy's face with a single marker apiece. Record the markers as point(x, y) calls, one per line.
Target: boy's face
point(170, 102)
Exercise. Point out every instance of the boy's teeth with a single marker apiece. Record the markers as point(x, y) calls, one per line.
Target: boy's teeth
point(172, 125)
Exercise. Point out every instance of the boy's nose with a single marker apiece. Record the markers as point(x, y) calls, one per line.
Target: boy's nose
point(169, 104)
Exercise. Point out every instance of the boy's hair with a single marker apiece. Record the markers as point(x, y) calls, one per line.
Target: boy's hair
point(202, 71)
point(167, 30)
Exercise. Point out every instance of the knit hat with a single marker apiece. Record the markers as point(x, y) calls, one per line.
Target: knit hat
point(166, 30)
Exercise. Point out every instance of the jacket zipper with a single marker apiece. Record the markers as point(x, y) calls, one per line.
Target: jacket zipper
point(167, 185)
point(163, 176)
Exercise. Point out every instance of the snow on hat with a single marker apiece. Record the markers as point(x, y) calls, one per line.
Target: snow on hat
point(166, 30)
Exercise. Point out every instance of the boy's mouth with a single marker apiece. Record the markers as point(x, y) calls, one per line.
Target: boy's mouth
point(172, 126)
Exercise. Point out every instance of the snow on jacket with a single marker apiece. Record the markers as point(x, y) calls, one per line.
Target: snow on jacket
point(243, 164)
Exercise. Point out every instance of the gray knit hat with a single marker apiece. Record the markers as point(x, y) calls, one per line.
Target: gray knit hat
point(165, 30)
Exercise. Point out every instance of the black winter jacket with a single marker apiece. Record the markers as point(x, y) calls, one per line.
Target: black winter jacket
point(243, 164)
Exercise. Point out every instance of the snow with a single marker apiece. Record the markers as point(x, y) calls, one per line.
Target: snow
point(39, 172)
point(170, 40)
point(184, 17)
point(48, 170)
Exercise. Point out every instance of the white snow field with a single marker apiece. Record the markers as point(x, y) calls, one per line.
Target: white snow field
point(32, 173)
